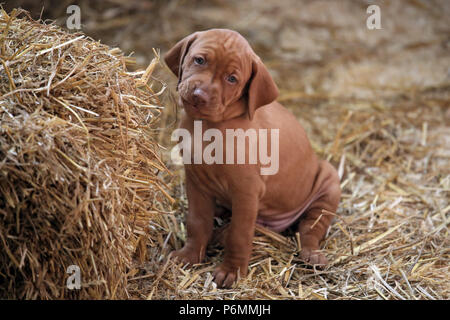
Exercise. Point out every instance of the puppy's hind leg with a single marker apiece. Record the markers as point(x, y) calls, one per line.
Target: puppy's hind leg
point(314, 222)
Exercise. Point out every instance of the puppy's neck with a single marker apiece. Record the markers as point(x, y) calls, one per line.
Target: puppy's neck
point(237, 109)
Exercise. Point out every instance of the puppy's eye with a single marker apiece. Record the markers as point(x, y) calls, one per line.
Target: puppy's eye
point(232, 79)
point(199, 60)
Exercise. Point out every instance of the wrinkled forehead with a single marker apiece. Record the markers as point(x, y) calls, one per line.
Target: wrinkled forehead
point(224, 47)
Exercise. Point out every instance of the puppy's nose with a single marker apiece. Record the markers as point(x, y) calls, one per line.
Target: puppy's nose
point(200, 97)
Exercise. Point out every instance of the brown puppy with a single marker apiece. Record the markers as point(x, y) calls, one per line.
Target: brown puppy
point(224, 84)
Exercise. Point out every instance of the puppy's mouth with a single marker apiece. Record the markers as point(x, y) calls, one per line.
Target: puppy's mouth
point(196, 109)
point(189, 105)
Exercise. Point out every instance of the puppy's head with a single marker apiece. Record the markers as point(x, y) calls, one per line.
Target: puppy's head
point(218, 73)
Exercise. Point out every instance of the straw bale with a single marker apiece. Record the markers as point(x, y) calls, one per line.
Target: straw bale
point(79, 168)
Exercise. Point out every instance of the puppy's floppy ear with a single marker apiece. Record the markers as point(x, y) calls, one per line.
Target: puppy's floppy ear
point(262, 89)
point(175, 56)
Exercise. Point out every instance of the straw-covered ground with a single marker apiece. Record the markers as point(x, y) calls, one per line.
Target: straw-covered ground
point(374, 102)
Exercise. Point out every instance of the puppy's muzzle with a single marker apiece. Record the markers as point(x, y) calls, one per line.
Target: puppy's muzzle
point(200, 97)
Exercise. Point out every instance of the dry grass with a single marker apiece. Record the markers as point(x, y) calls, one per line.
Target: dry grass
point(390, 240)
point(78, 165)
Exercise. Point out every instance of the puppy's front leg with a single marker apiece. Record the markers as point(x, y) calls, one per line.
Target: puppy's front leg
point(199, 224)
point(238, 241)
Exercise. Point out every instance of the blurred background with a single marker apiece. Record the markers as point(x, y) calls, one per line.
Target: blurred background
point(314, 48)
point(320, 52)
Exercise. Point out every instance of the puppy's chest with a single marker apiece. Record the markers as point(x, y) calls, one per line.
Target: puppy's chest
point(210, 180)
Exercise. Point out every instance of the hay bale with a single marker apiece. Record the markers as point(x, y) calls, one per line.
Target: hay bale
point(78, 164)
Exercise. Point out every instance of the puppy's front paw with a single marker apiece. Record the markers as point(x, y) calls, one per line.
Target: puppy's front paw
point(313, 256)
point(225, 276)
point(186, 256)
